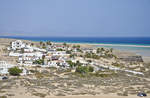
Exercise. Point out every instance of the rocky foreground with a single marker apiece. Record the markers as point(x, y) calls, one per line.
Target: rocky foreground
point(52, 82)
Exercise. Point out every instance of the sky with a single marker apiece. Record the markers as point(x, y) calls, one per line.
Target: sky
point(75, 18)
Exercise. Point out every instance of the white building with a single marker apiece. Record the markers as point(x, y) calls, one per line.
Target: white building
point(38, 49)
point(53, 64)
point(15, 54)
point(18, 44)
point(28, 49)
point(59, 53)
point(24, 71)
point(28, 58)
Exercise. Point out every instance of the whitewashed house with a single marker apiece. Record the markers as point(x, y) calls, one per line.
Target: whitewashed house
point(38, 49)
point(53, 64)
point(28, 50)
point(29, 58)
point(59, 53)
point(64, 64)
point(15, 54)
point(18, 44)
point(58, 63)
point(23, 60)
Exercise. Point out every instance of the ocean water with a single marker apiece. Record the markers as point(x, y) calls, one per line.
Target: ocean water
point(143, 51)
point(115, 41)
point(99, 40)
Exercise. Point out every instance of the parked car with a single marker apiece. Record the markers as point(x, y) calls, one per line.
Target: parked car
point(141, 94)
point(4, 78)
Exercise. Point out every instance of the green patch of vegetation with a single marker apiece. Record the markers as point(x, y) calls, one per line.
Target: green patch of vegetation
point(72, 55)
point(79, 50)
point(72, 64)
point(76, 46)
point(44, 46)
point(108, 55)
point(48, 43)
point(59, 49)
point(91, 69)
point(99, 50)
point(91, 55)
point(32, 44)
point(41, 42)
point(84, 69)
point(40, 61)
point(15, 71)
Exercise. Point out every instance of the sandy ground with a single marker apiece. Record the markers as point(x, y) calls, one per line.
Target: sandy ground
point(100, 96)
point(146, 59)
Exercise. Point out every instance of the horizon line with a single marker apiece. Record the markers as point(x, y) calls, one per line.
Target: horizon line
point(78, 36)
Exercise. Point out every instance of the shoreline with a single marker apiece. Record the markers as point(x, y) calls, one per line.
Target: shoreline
point(138, 49)
point(103, 44)
point(126, 45)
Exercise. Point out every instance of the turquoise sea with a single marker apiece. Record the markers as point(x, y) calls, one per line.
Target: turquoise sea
point(134, 44)
point(144, 51)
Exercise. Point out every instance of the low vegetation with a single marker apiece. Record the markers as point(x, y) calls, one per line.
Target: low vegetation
point(59, 49)
point(40, 61)
point(15, 71)
point(92, 55)
point(100, 50)
point(72, 64)
point(84, 69)
point(76, 46)
point(116, 64)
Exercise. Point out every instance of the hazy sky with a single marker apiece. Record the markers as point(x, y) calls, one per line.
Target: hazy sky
point(75, 17)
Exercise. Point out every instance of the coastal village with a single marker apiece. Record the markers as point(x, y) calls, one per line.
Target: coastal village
point(52, 67)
